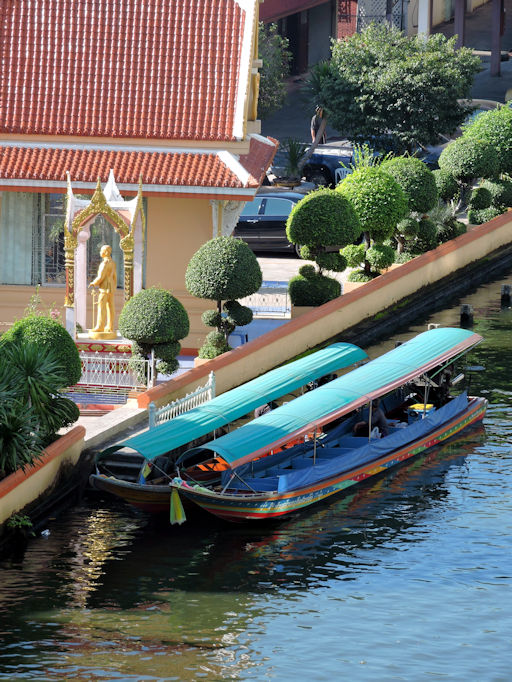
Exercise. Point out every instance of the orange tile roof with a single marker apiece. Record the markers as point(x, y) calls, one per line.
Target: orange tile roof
point(164, 69)
point(165, 169)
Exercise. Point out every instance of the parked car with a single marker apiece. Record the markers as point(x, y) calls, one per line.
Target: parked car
point(262, 223)
point(324, 167)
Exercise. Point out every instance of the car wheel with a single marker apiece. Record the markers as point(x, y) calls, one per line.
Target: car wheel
point(298, 247)
point(319, 177)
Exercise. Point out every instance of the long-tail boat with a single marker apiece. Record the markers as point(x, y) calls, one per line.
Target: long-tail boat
point(262, 478)
point(153, 453)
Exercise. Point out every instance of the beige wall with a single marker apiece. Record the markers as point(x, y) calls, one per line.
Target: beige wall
point(176, 228)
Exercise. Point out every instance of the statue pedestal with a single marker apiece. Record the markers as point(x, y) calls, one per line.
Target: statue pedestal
point(102, 335)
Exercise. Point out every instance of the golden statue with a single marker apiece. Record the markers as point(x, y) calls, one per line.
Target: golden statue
point(106, 280)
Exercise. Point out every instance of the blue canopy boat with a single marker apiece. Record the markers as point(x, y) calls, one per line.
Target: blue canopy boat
point(263, 478)
point(158, 448)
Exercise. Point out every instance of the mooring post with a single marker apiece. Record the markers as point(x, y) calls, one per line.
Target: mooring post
point(466, 315)
point(505, 294)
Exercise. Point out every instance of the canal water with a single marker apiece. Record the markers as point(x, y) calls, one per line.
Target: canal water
point(407, 578)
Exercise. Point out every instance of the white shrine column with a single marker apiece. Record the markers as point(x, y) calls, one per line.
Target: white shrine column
point(425, 17)
point(81, 278)
point(138, 255)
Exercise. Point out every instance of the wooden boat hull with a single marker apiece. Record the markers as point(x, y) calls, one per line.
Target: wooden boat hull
point(154, 499)
point(260, 506)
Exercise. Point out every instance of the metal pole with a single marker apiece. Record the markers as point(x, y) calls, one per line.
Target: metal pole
point(314, 448)
point(370, 419)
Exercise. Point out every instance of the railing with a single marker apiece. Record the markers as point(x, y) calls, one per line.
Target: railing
point(115, 370)
point(271, 300)
point(201, 395)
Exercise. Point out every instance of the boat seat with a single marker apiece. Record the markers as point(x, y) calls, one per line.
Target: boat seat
point(352, 442)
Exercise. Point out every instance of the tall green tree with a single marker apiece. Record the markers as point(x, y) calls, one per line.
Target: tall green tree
point(273, 51)
point(384, 85)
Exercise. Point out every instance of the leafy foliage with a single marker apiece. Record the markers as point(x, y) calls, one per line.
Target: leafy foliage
point(312, 289)
point(500, 191)
point(323, 218)
point(354, 254)
point(223, 269)
point(273, 50)
point(447, 185)
point(416, 180)
point(494, 127)
point(483, 215)
point(154, 320)
point(467, 158)
point(426, 238)
point(480, 198)
point(377, 198)
point(380, 256)
point(47, 335)
point(384, 83)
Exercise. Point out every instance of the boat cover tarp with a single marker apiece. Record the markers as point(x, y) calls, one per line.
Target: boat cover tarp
point(240, 401)
point(378, 377)
point(346, 461)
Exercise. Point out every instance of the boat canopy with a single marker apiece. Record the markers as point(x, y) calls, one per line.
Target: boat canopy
point(303, 415)
point(240, 401)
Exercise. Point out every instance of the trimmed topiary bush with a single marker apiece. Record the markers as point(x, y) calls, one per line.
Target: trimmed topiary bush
point(447, 186)
point(480, 198)
point(354, 254)
point(380, 256)
point(223, 269)
point(477, 217)
point(323, 218)
point(48, 334)
point(361, 276)
point(467, 158)
point(426, 238)
point(494, 127)
point(415, 179)
point(500, 191)
point(378, 200)
point(313, 290)
point(154, 320)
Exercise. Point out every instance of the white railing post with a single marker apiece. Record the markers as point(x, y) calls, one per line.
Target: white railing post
point(152, 414)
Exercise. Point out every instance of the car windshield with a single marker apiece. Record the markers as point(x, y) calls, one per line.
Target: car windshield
point(252, 207)
point(278, 206)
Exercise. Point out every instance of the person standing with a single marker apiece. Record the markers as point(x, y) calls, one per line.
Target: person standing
point(316, 122)
point(107, 283)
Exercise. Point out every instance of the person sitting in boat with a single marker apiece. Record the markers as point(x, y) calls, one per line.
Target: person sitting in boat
point(263, 409)
point(379, 421)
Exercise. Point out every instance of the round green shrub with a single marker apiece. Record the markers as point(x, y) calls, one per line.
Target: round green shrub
point(380, 256)
point(313, 291)
point(378, 199)
point(307, 271)
point(426, 238)
point(404, 257)
point(477, 217)
point(361, 276)
point(500, 191)
point(447, 185)
point(323, 218)
point(331, 261)
point(167, 351)
point(495, 127)
point(153, 316)
point(238, 314)
point(224, 268)
point(354, 254)
point(48, 334)
point(480, 198)
point(408, 227)
point(467, 158)
point(211, 318)
point(215, 344)
point(416, 180)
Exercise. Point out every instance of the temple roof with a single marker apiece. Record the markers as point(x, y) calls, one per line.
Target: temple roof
point(166, 171)
point(158, 69)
